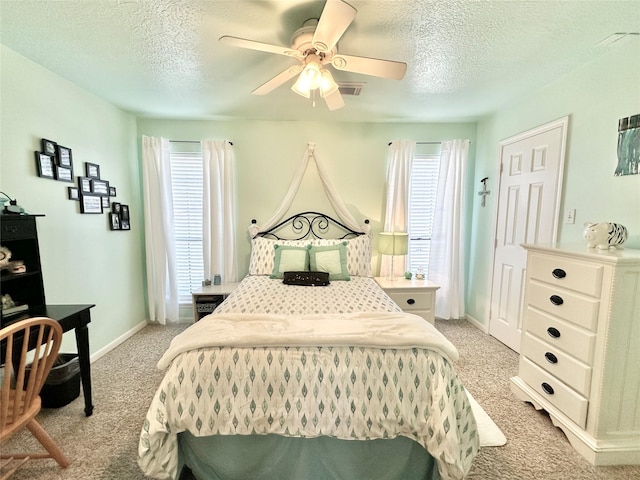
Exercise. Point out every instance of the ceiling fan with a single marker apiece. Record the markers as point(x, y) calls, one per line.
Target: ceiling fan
point(315, 47)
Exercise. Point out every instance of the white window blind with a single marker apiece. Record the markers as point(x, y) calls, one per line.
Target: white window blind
point(186, 182)
point(422, 201)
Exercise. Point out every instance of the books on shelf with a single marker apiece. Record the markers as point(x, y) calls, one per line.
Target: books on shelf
point(14, 309)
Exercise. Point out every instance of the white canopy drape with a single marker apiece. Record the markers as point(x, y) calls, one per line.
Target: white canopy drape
point(447, 256)
point(219, 231)
point(397, 210)
point(332, 194)
point(162, 286)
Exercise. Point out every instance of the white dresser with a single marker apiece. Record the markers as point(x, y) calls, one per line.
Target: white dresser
point(580, 352)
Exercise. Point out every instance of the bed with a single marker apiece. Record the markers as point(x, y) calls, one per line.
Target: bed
point(309, 382)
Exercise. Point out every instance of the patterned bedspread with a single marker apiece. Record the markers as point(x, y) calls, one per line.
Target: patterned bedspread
point(346, 392)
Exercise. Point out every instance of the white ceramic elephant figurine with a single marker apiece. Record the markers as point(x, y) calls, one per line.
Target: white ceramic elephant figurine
point(603, 235)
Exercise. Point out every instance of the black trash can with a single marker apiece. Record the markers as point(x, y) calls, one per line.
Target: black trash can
point(63, 383)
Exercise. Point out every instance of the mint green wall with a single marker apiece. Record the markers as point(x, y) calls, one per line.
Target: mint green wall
point(594, 97)
point(268, 155)
point(82, 260)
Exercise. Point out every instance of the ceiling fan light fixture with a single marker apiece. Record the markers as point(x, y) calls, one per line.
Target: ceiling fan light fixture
point(327, 84)
point(309, 79)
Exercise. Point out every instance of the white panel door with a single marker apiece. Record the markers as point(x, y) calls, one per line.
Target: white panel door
point(531, 166)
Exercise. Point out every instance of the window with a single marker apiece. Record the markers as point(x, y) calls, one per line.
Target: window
point(422, 202)
point(186, 183)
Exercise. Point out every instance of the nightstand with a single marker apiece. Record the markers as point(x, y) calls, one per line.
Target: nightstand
point(413, 296)
point(206, 299)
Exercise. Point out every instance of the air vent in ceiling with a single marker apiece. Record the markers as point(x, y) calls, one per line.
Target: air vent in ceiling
point(350, 88)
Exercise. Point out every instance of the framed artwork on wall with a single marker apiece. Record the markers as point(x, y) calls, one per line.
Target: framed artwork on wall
point(64, 156)
point(44, 165)
point(100, 187)
point(90, 203)
point(84, 185)
point(92, 170)
point(628, 146)
point(64, 174)
point(49, 147)
point(73, 193)
point(114, 221)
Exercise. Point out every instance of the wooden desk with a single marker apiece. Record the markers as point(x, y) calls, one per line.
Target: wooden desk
point(70, 317)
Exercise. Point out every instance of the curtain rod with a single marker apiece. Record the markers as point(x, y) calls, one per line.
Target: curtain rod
point(189, 141)
point(423, 143)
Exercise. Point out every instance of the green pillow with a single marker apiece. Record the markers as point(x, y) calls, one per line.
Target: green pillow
point(289, 259)
point(331, 259)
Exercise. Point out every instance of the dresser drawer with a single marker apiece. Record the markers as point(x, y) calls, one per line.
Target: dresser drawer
point(572, 404)
point(576, 309)
point(409, 301)
point(575, 275)
point(575, 341)
point(562, 366)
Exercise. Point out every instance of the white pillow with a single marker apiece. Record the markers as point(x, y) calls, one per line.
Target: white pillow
point(331, 259)
point(289, 259)
point(358, 254)
point(263, 254)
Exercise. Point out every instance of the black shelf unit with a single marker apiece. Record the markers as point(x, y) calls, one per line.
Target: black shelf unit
point(19, 234)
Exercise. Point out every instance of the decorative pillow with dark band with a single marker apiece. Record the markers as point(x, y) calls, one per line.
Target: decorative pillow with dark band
point(308, 279)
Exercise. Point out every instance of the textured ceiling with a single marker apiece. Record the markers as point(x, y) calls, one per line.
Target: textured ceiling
point(162, 59)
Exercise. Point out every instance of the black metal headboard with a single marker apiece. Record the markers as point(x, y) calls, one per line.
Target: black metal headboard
point(310, 225)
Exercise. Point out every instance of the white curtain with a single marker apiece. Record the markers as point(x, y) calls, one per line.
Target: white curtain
point(332, 194)
point(447, 256)
point(219, 230)
point(397, 210)
point(162, 285)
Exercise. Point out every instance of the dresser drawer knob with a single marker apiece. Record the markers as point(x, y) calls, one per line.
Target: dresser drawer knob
point(551, 358)
point(556, 299)
point(548, 389)
point(558, 273)
point(553, 332)
point(411, 301)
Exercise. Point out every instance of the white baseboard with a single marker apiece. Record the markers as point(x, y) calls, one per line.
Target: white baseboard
point(477, 324)
point(107, 348)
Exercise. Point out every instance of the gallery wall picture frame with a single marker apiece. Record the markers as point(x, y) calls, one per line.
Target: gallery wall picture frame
point(112, 191)
point(84, 185)
point(73, 193)
point(64, 174)
point(90, 203)
point(105, 203)
point(100, 187)
point(49, 147)
point(114, 221)
point(44, 165)
point(92, 170)
point(124, 212)
point(64, 156)
point(115, 208)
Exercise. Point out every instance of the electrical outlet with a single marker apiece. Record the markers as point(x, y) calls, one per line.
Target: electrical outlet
point(570, 216)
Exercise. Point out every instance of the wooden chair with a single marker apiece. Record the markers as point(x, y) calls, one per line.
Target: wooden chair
point(21, 383)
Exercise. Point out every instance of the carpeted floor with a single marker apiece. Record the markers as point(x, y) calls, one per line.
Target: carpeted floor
point(104, 446)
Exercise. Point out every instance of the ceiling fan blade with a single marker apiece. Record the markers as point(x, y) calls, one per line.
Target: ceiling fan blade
point(334, 101)
point(278, 80)
point(263, 47)
point(370, 66)
point(335, 19)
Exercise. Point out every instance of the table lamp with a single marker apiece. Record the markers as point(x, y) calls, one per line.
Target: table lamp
point(393, 243)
